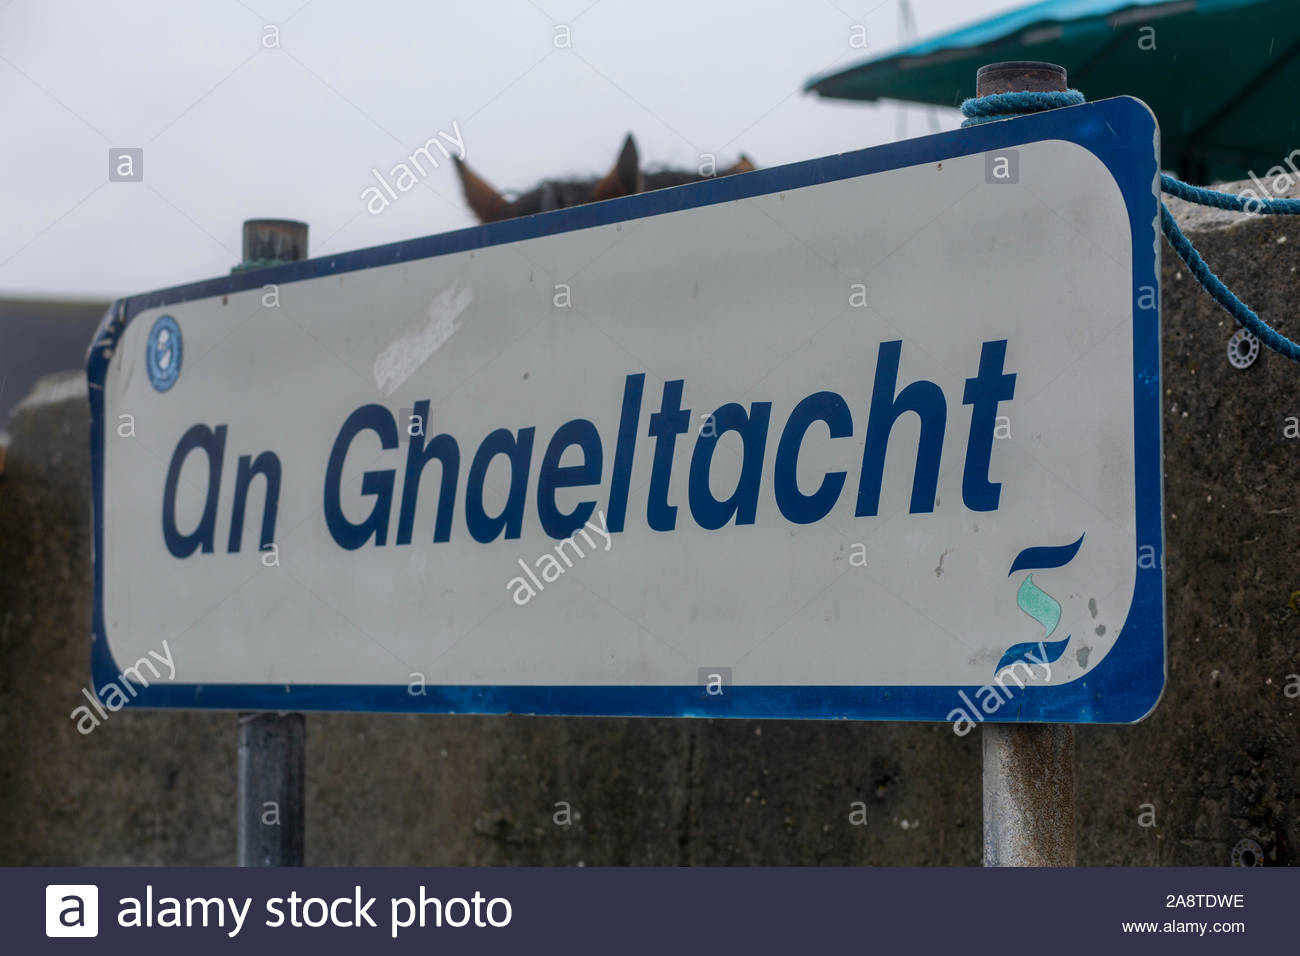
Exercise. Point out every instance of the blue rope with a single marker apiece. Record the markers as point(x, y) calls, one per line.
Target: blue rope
point(998, 106)
point(1221, 293)
point(1212, 197)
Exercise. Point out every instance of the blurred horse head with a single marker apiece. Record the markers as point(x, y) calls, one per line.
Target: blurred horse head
point(624, 179)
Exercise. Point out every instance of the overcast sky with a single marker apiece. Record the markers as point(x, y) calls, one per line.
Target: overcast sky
point(282, 108)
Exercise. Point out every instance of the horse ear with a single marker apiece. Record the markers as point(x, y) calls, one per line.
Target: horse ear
point(484, 201)
point(742, 165)
point(624, 179)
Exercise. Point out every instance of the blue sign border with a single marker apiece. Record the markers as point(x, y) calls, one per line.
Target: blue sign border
point(1123, 688)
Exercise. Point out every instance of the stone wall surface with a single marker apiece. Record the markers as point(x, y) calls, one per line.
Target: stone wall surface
point(1217, 760)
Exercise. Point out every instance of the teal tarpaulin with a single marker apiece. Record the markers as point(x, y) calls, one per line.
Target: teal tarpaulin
point(1222, 76)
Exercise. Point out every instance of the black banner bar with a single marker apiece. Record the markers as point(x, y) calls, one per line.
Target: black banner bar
point(659, 911)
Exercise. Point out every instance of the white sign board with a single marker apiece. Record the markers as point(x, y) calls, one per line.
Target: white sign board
point(872, 436)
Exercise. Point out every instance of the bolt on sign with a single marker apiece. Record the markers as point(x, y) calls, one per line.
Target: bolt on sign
point(875, 435)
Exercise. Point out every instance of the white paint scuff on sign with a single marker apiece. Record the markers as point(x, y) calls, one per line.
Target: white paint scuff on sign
point(400, 359)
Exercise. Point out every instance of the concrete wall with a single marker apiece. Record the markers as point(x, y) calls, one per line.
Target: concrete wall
point(1217, 760)
point(40, 336)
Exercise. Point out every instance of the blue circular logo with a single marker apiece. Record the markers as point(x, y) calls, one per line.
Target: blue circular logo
point(164, 353)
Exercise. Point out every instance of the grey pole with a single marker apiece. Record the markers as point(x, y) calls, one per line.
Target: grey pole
point(272, 746)
point(271, 770)
point(1028, 795)
point(1028, 768)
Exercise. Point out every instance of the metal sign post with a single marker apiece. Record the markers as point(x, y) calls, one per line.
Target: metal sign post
point(271, 778)
point(1028, 768)
point(1028, 795)
point(272, 745)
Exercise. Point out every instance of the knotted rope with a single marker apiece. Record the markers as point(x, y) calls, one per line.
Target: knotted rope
point(1000, 106)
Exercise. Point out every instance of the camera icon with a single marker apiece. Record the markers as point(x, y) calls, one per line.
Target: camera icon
point(71, 909)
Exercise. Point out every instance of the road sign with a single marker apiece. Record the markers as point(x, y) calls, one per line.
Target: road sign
point(872, 436)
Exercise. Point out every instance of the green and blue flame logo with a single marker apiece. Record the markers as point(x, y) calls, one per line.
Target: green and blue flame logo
point(1038, 604)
